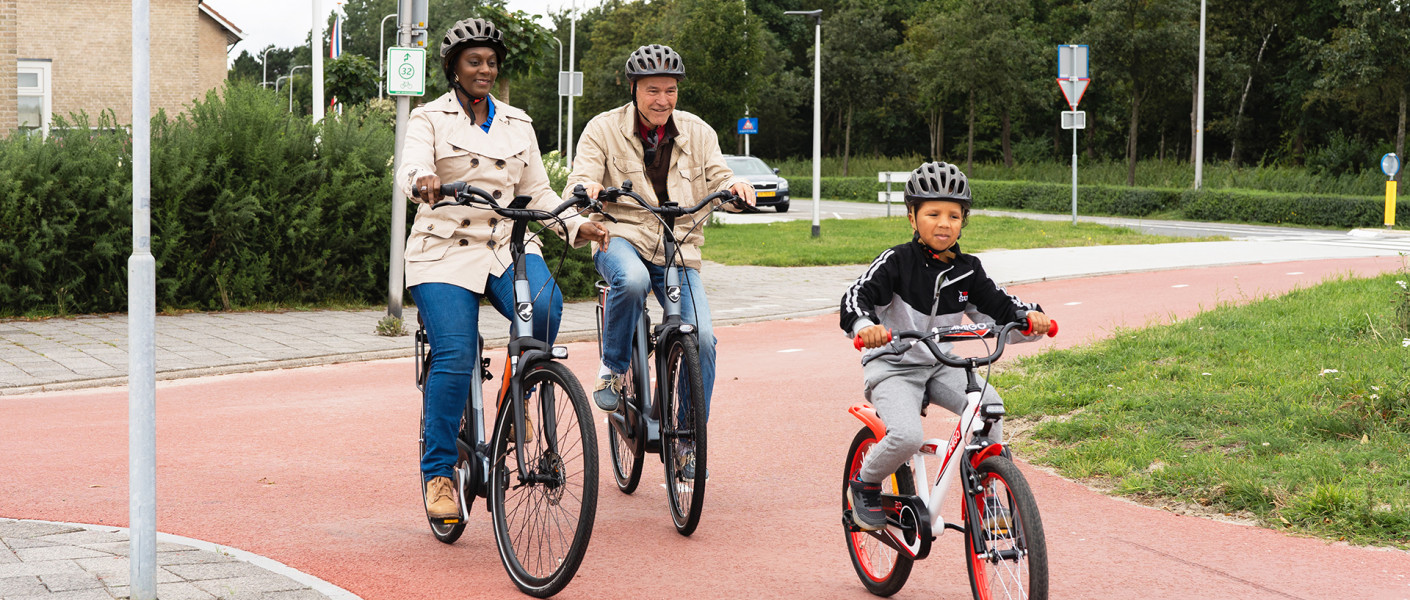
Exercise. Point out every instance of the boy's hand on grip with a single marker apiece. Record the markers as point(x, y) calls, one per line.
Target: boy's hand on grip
point(872, 337)
point(1038, 323)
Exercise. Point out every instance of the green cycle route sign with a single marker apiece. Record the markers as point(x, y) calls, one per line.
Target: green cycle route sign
point(406, 71)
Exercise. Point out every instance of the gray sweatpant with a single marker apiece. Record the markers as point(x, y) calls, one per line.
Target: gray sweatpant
point(896, 391)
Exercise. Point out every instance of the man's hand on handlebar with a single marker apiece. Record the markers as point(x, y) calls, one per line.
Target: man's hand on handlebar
point(745, 191)
point(593, 231)
point(592, 189)
point(427, 188)
point(874, 336)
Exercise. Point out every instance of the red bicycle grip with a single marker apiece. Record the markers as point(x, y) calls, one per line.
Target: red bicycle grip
point(857, 341)
point(1052, 328)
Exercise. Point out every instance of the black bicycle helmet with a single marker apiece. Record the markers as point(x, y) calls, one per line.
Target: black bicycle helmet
point(469, 33)
point(648, 61)
point(937, 181)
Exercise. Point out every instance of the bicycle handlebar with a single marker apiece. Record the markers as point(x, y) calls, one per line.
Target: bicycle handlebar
point(959, 333)
point(466, 194)
point(671, 209)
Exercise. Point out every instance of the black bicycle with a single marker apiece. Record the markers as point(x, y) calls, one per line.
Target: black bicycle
point(538, 469)
point(637, 426)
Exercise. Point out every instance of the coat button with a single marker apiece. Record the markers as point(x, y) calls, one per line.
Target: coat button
point(499, 164)
point(496, 194)
point(465, 223)
point(491, 244)
point(493, 221)
point(464, 242)
point(431, 227)
point(474, 162)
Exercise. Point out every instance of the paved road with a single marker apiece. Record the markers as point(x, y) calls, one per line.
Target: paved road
point(316, 468)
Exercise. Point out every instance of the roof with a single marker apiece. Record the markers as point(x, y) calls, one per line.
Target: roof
point(233, 35)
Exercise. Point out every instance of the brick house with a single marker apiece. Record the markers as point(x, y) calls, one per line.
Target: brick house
point(73, 56)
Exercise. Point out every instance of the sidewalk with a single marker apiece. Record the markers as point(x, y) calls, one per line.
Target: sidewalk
point(41, 560)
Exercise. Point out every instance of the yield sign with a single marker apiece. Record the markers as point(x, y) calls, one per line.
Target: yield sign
point(1073, 90)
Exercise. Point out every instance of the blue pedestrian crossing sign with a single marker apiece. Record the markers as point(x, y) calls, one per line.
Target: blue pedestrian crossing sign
point(748, 126)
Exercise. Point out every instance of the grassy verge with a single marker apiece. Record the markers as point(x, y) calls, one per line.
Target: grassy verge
point(858, 241)
point(1294, 411)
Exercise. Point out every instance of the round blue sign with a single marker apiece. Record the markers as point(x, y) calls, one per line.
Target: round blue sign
point(1390, 164)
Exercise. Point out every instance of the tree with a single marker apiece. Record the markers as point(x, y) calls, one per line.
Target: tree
point(1367, 56)
point(351, 78)
point(857, 62)
point(1142, 46)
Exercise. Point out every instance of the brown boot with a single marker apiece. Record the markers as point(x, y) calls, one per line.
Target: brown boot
point(528, 422)
point(440, 499)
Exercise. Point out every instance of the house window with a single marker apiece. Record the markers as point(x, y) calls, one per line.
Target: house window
point(35, 96)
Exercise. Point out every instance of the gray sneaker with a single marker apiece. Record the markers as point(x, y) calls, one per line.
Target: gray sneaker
point(608, 392)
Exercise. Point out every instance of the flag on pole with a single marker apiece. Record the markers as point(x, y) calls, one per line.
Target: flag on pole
point(335, 41)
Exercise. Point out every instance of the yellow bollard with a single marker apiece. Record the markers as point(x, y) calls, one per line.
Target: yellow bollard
point(1390, 204)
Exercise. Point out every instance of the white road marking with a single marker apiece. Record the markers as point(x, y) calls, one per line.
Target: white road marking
point(790, 350)
point(1181, 285)
point(1072, 304)
point(1294, 272)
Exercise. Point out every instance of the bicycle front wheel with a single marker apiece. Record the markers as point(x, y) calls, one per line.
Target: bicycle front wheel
point(543, 517)
point(1016, 562)
point(683, 433)
point(882, 569)
point(626, 456)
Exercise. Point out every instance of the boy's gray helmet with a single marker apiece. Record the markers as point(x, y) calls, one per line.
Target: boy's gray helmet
point(648, 61)
point(937, 181)
point(467, 33)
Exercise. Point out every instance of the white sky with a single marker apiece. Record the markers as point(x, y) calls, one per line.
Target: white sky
point(286, 23)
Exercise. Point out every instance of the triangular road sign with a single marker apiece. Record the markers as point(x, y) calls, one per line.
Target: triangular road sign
point(1073, 89)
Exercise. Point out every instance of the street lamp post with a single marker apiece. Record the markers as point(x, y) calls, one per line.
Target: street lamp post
point(264, 62)
point(277, 80)
point(817, 114)
point(291, 85)
point(1199, 107)
point(382, 53)
point(572, 47)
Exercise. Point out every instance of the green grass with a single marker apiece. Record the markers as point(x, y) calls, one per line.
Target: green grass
point(858, 241)
point(1294, 410)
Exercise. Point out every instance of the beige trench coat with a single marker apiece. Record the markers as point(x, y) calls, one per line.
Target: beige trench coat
point(610, 152)
point(464, 245)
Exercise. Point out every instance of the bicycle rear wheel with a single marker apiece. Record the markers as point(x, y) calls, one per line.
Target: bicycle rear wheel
point(683, 433)
point(542, 523)
point(626, 457)
point(882, 569)
point(1017, 562)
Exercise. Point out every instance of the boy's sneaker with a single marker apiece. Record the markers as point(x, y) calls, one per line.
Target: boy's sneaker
point(865, 500)
point(996, 515)
point(608, 392)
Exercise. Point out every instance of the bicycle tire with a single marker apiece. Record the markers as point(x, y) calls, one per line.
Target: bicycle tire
point(446, 533)
point(686, 496)
point(531, 519)
point(626, 461)
point(1026, 574)
point(882, 570)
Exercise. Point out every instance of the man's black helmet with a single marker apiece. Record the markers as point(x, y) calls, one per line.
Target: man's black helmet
point(648, 61)
point(937, 181)
point(468, 33)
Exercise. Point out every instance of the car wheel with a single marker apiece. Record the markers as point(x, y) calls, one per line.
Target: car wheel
point(781, 207)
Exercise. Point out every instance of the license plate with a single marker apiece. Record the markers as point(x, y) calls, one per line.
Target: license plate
point(765, 194)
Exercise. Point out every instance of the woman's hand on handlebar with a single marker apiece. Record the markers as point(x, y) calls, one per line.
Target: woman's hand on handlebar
point(427, 188)
point(874, 336)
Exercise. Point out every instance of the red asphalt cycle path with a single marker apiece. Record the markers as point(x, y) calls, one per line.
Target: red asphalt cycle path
point(316, 468)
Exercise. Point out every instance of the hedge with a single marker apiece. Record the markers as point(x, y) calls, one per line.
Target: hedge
point(1245, 206)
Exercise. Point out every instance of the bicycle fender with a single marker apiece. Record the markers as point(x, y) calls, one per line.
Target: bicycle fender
point(867, 414)
point(986, 452)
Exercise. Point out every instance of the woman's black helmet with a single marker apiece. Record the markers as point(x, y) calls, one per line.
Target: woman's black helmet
point(937, 181)
point(469, 33)
point(648, 61)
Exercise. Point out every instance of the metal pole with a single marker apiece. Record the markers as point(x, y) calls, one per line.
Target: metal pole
point(572, 48)
point(817, 128)
point(142, 326)
point(1074, 173)
point(291, 85)
point(395, 273)
point(746, 136)
point(1199, 107)
point(382, 54)
point(558, 133)
point(316, 35)
point(264, 62)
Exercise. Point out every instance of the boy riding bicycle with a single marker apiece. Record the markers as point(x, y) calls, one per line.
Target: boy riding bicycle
point(925, 283)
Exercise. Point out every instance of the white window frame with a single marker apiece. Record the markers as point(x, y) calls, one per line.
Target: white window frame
point(45, 89)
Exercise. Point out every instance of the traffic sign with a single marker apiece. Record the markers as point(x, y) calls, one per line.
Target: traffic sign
point(747, 126)
point(1072, 89)
point(406, 71)
point(1074, 119)
point(570, 83)
point(1390, 164)
point(1072, 61)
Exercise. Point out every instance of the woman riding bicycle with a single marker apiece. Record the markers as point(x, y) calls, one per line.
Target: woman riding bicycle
point(456, 255)
point(670, 155)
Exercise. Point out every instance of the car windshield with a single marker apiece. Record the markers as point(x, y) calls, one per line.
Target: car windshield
point(748, 165)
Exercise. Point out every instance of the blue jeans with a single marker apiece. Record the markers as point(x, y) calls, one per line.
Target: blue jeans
point(452, 317)
point(630, 277)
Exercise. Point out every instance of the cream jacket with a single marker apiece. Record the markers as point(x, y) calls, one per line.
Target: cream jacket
point(610, 152)
point(464, 245)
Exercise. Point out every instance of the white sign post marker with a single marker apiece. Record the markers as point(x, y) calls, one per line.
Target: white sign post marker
point(1073, 78)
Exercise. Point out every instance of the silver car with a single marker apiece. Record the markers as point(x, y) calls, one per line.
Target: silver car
point(770, 189)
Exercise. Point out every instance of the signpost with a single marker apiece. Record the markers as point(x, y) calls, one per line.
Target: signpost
point(1073, 79)
point(746, 127)
point(1390, 165)
point(888, 196)
point(406, 71)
